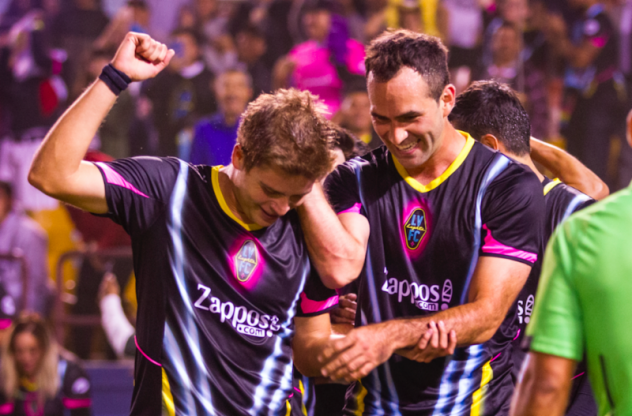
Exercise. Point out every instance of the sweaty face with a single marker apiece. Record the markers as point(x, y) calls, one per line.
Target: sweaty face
point(408, 120)
point(266, 193)
point(28, 354)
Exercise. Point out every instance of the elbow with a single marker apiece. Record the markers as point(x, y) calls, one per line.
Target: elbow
point(600, 190)
point(39, 181)
point(338, 279)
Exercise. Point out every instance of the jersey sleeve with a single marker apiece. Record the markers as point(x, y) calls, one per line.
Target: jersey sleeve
point(342, 189)
point(316, 298)
point(77, 391)
point(138, 189)
point(556, 323)
point(513, 217)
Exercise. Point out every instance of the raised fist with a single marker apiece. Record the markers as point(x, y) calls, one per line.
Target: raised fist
point(140, 57)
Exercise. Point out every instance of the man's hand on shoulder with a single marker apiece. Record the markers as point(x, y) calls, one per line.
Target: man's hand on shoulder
point(140, 57)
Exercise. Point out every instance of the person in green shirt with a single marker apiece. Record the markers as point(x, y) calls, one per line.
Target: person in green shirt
point(583, 308)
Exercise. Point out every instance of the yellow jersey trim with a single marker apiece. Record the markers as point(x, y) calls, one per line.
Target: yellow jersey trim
point(469, 143)
point(224, 205)
point(478, 398)
point(360, 400)
point(302, 388)
point(551, 185)
point(288, 406)
point(167, 397)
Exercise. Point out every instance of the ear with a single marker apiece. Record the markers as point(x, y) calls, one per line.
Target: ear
point(490, 140)
point(448, 99)
point(237, 158)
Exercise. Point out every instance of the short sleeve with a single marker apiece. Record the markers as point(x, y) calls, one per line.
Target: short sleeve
point(138, 189)
point(513, 216)
point(316, 298)
point(556, 323)
point(77, 390)
point(342, 190)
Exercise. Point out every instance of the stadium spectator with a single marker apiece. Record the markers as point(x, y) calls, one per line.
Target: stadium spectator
point(508, 67)
point(353, 13)
point(20, 235)
point(181, 94)
point(594, 87)
point(38, 377)
point(118, 330)
point(313, 65)
point(134, 16)
point(215, 138)
point(251, 50)
point(355, 116)
point(8, 311)
point(515, 12)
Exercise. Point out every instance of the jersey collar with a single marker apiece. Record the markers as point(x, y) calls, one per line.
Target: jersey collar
point(222, 201)
point(469, 143)
point(551, 185)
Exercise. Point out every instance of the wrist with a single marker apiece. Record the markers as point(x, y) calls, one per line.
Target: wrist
point(116, 80)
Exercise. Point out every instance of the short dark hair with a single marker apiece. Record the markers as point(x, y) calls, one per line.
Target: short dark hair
point(350, 145)
point(187, 31)
point(491, 107)
point(394, 49)
point(7, 188)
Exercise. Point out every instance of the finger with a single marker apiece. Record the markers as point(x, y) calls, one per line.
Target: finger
point(143, 43)
point(335, 348)
point(423, 342)
point(346, 370)
point(339, 362)
point(443, 336)
point(346, 303)
point(352, 296)
point(452, 345)
point(154, 55)
point(162, 53)
point(337, 319)
point(362, 372)
point(346, 314)
point(165, 62)
point(434, 341)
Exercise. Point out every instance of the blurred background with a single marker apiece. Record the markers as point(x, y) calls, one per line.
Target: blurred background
point(569, 60)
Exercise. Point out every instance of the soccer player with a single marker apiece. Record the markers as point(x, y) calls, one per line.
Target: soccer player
point(439, 228)
point(493, 115)
point(221, 265)
point(582, 309)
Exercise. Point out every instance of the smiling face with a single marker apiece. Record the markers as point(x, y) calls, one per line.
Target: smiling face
point(408, 120)
point(266, 193)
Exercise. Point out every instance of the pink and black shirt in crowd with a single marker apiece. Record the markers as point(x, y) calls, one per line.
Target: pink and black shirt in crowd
point(424, 246)
point(216, 296)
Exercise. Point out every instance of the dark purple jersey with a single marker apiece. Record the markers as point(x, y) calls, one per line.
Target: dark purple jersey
point(216, 296)
point(423, 248)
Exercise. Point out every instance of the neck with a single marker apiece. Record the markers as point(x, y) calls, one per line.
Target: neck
point(452, 144)
point(227, 179)
point(230, 119)
point(526, 160)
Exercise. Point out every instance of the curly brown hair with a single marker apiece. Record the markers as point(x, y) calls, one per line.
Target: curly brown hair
point(287, 130)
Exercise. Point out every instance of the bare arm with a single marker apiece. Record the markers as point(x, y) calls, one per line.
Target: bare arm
point(495, 286)
point(544, 387)
point(57, 168)
point(570, 170)
point(310, 337)
point(337, 243)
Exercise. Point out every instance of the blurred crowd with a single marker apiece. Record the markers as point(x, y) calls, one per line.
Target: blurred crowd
point(569, 60)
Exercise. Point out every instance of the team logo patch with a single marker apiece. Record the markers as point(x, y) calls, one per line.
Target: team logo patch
point(246, 261)
point(415, 228)
point(81, 386)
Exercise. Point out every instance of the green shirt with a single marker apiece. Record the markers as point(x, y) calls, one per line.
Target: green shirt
point(584, 301)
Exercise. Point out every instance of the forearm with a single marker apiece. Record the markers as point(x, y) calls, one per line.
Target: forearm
point(337, 255)
point(570, 170)
point(115, 324)
point(66, 144)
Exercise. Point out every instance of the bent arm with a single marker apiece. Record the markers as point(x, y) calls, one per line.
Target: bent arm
point(570, 170)
point(310, 338)
point(495, 285)
point(336, 243)
point(544, 387)
point(58, 169)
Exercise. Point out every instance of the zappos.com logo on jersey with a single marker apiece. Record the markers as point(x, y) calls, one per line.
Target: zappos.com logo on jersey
point(246, 260)
point(428, 298)
point(525, 309)
point(415, 228)
point(247, 322)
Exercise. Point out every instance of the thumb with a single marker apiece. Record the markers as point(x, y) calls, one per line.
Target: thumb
point(165, 62)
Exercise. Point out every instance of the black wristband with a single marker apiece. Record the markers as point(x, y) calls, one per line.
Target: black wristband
point(116, 80)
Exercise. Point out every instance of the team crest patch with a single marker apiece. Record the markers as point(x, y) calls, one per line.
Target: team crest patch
point(246, 261)
point(415, 228)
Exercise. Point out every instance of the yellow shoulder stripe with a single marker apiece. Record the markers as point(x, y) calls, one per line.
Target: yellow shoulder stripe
point(167, 397)
point(469, 143)
point(224, 205)
point(551, 185)
point(478, 398)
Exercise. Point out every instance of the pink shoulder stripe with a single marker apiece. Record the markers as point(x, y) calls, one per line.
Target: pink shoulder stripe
point(76, 403)
point(495, 247)
point(355, 209)
point(115, 178)
point(145, 355)
point(7, 408)
point(312, 306)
